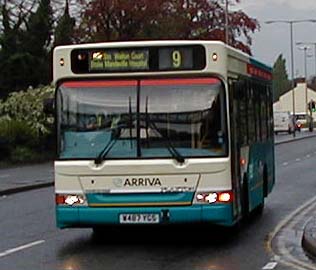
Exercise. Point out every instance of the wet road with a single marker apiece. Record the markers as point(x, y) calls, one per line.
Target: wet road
point(29, 239)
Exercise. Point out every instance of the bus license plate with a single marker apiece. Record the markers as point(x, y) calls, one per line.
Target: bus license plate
point(139, 218)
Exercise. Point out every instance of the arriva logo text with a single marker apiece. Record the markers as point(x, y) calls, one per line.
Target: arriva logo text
point(142, 182)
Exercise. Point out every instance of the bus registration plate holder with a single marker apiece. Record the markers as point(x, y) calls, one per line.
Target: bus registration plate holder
point(136, 218)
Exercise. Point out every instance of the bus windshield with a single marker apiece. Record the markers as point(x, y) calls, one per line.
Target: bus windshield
point(142, 119)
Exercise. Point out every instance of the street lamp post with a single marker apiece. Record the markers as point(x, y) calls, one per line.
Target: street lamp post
point(291, 22)
point(305, 48)
point(309, 122)
point(311, 126)
point(309, 43)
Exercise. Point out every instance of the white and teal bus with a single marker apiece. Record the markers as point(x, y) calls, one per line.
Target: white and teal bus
point(161, 132)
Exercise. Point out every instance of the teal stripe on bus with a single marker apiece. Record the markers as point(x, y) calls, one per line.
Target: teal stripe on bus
point(80, 217)
point(142, 198)
point(258, 64)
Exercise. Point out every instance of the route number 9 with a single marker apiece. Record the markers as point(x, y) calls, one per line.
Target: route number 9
point(176, 59)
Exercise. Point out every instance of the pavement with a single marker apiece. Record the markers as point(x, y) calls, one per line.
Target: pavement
point(285, 138)
point(23, 178)
point(309, 237)
point(30, 177)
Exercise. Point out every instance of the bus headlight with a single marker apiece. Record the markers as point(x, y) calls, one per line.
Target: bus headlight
point(213, 197)
point(70, 199)
point(206, 197)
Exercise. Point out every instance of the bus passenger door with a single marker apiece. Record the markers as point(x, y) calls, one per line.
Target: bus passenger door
point(234, 89)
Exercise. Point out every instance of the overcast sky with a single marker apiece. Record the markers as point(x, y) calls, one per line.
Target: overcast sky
point(273, 39)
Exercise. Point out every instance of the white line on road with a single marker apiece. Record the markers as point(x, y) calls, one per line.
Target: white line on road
point(13, 250)
point(270, 266)
point(308, 156)
point(285, 163)
point(5, 176)
point(298, 159)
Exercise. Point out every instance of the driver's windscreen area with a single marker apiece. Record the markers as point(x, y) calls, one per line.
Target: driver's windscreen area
point(92, 115)
point(141, 119)
point(189, 114)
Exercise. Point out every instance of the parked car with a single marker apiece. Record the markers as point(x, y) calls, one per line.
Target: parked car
point(302, 120)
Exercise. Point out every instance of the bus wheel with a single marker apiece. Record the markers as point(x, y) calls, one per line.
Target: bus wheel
point(245, 198)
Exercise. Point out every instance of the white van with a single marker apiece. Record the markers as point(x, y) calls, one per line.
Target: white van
point(283, 122)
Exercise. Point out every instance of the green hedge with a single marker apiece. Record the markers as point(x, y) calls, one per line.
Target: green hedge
point(24, 128)
point(27, 106)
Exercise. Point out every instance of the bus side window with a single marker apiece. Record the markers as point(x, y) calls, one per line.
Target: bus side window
point(243, 128)
point(264, 115)
point(269, 112)
point(239, 111)
point(257, 103)
point(251, 115)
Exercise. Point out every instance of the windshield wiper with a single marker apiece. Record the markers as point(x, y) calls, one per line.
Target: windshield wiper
point(149, 123)
point(172, 150)
point(114, 136)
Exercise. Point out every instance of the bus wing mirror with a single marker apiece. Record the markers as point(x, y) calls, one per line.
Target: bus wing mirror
point(49, 106)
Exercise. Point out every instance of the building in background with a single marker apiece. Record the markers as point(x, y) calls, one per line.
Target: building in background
point(285, 102)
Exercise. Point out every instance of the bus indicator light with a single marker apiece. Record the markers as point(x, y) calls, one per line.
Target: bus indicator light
point(225, 197)
point(60, 199)
point(62, 62)
point(70, 200)
point(215, 57)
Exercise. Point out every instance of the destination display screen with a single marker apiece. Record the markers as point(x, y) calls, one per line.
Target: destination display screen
point(150, 59)
point(175, 58)
point(119, 60)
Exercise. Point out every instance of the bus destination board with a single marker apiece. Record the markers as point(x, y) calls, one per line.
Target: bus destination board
point(139, 59)
point(119, 60)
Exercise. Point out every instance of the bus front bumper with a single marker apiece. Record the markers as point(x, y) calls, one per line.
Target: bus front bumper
point(84, 216)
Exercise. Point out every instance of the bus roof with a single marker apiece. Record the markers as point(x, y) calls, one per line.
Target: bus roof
point(247, 65)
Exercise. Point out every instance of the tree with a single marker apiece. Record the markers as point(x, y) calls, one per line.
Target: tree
point(38, 32)
point(25, 39)
point(108, 20)
point(26, 28)
point(65, 28)
point(10, 35)
point(13, 14)
point(281, 83)
point(36, 41)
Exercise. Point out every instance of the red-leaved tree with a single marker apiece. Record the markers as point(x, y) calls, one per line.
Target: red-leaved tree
point(120, 20)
